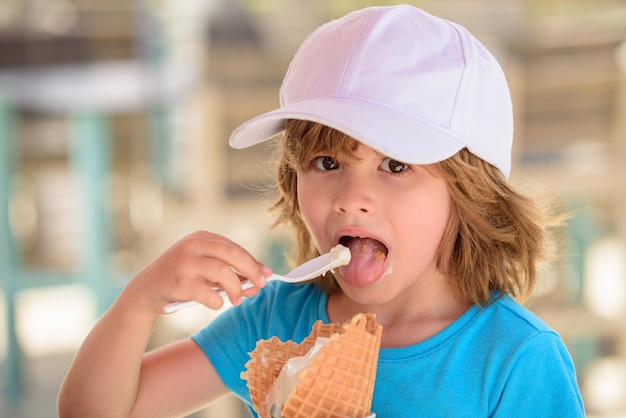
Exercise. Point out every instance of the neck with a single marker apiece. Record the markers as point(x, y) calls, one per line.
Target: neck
point(407, 319)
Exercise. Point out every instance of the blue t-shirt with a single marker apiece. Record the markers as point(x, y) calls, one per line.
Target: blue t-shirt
point(496, 361)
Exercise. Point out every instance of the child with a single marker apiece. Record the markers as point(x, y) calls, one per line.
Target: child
point(397, 141)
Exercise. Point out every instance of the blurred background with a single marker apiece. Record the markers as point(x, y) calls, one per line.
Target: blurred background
point(114, 120)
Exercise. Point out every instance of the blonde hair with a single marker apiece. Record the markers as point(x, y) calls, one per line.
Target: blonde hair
point(493, 241)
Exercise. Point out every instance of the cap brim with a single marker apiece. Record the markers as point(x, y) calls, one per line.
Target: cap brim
point(394, 134)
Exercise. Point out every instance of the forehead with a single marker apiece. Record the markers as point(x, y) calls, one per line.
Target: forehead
point(305, 139)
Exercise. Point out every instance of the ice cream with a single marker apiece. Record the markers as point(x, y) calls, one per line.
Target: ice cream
point(340, 254)
point(332, 374)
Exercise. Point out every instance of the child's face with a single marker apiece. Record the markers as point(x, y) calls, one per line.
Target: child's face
point(391, 215)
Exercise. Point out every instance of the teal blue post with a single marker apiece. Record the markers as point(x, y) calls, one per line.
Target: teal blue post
point(9, 255)
point(581, 232)
point(276, 255)
point(91, 161)
point(159, 142)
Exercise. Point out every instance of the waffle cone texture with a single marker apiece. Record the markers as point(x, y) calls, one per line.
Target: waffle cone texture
point(338, 381)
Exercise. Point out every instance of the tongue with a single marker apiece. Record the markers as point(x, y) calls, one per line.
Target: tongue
point(366, 264)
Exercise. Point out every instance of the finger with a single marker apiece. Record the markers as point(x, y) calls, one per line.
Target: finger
point(236, 256)
point(208, 296)
point(214, 273)
point(250, 292)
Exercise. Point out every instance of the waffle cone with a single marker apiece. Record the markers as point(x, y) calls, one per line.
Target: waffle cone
point(338, 381)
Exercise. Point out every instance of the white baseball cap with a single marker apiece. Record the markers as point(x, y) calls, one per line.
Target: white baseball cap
point(412, 86)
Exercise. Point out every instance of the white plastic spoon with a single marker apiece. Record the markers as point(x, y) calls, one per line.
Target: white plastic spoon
point(338, 256)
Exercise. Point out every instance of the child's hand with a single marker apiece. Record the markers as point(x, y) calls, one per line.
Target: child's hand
point(190, 269)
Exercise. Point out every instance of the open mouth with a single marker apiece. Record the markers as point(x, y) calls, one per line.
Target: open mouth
point(368, 261)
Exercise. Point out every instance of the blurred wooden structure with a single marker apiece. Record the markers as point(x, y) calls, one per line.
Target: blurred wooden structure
point(565, 60)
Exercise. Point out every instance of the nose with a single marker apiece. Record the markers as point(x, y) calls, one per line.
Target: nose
point(355, 194)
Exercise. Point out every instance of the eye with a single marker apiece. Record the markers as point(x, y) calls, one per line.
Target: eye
point(394, 166)
point(325, 163)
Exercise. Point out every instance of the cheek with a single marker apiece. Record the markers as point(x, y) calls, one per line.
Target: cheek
point(424, 222)
point(304, 194)
point(309, 203)
point(437, 218)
